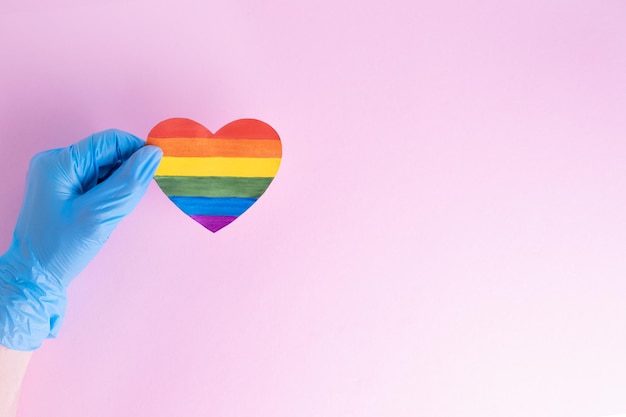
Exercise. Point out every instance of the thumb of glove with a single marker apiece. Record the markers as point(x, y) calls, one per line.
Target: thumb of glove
point(109, 202)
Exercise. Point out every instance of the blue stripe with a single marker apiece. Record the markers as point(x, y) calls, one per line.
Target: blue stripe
point(213, 206)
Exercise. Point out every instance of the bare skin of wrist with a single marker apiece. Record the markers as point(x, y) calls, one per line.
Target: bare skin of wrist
point(13, 364)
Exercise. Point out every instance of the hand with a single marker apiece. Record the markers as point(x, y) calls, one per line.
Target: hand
point(75, 197)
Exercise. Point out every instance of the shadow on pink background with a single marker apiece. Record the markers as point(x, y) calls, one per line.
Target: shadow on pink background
point(446, 234)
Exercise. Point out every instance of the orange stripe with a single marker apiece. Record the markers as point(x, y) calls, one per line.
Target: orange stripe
point(204, 147)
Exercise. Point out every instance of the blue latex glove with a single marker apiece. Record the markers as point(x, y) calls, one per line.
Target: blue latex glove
point(74, 199)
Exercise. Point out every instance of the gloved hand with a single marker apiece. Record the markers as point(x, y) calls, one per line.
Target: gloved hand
point(74, 199)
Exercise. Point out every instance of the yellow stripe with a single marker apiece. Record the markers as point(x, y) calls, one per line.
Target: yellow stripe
point(218, 167)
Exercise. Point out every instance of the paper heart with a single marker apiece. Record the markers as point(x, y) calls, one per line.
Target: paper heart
point(214, 178)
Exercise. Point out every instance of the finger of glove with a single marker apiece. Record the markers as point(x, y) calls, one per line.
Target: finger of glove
point(96, 156)
point(113, 199)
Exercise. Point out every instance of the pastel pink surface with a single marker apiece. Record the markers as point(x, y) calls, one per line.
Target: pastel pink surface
point(446, 237)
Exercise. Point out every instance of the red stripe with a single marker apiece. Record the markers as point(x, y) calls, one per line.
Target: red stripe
point(239, 129)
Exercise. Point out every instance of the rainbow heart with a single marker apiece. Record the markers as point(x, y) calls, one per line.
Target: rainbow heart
point(214, 178)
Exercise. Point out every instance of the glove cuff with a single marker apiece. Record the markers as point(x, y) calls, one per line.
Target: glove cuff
point(32, 304)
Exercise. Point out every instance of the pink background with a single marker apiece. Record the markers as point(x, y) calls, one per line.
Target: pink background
point(446, 235)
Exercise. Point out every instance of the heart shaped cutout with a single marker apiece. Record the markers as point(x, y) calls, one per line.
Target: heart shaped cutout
point(215, 177)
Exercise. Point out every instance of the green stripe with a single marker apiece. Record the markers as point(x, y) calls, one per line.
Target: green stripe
point(243, 187)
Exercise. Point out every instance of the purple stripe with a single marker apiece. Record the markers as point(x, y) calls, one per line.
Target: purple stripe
point(214, 223)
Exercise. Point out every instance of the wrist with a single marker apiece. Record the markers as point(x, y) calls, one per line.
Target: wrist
point(32, 303)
